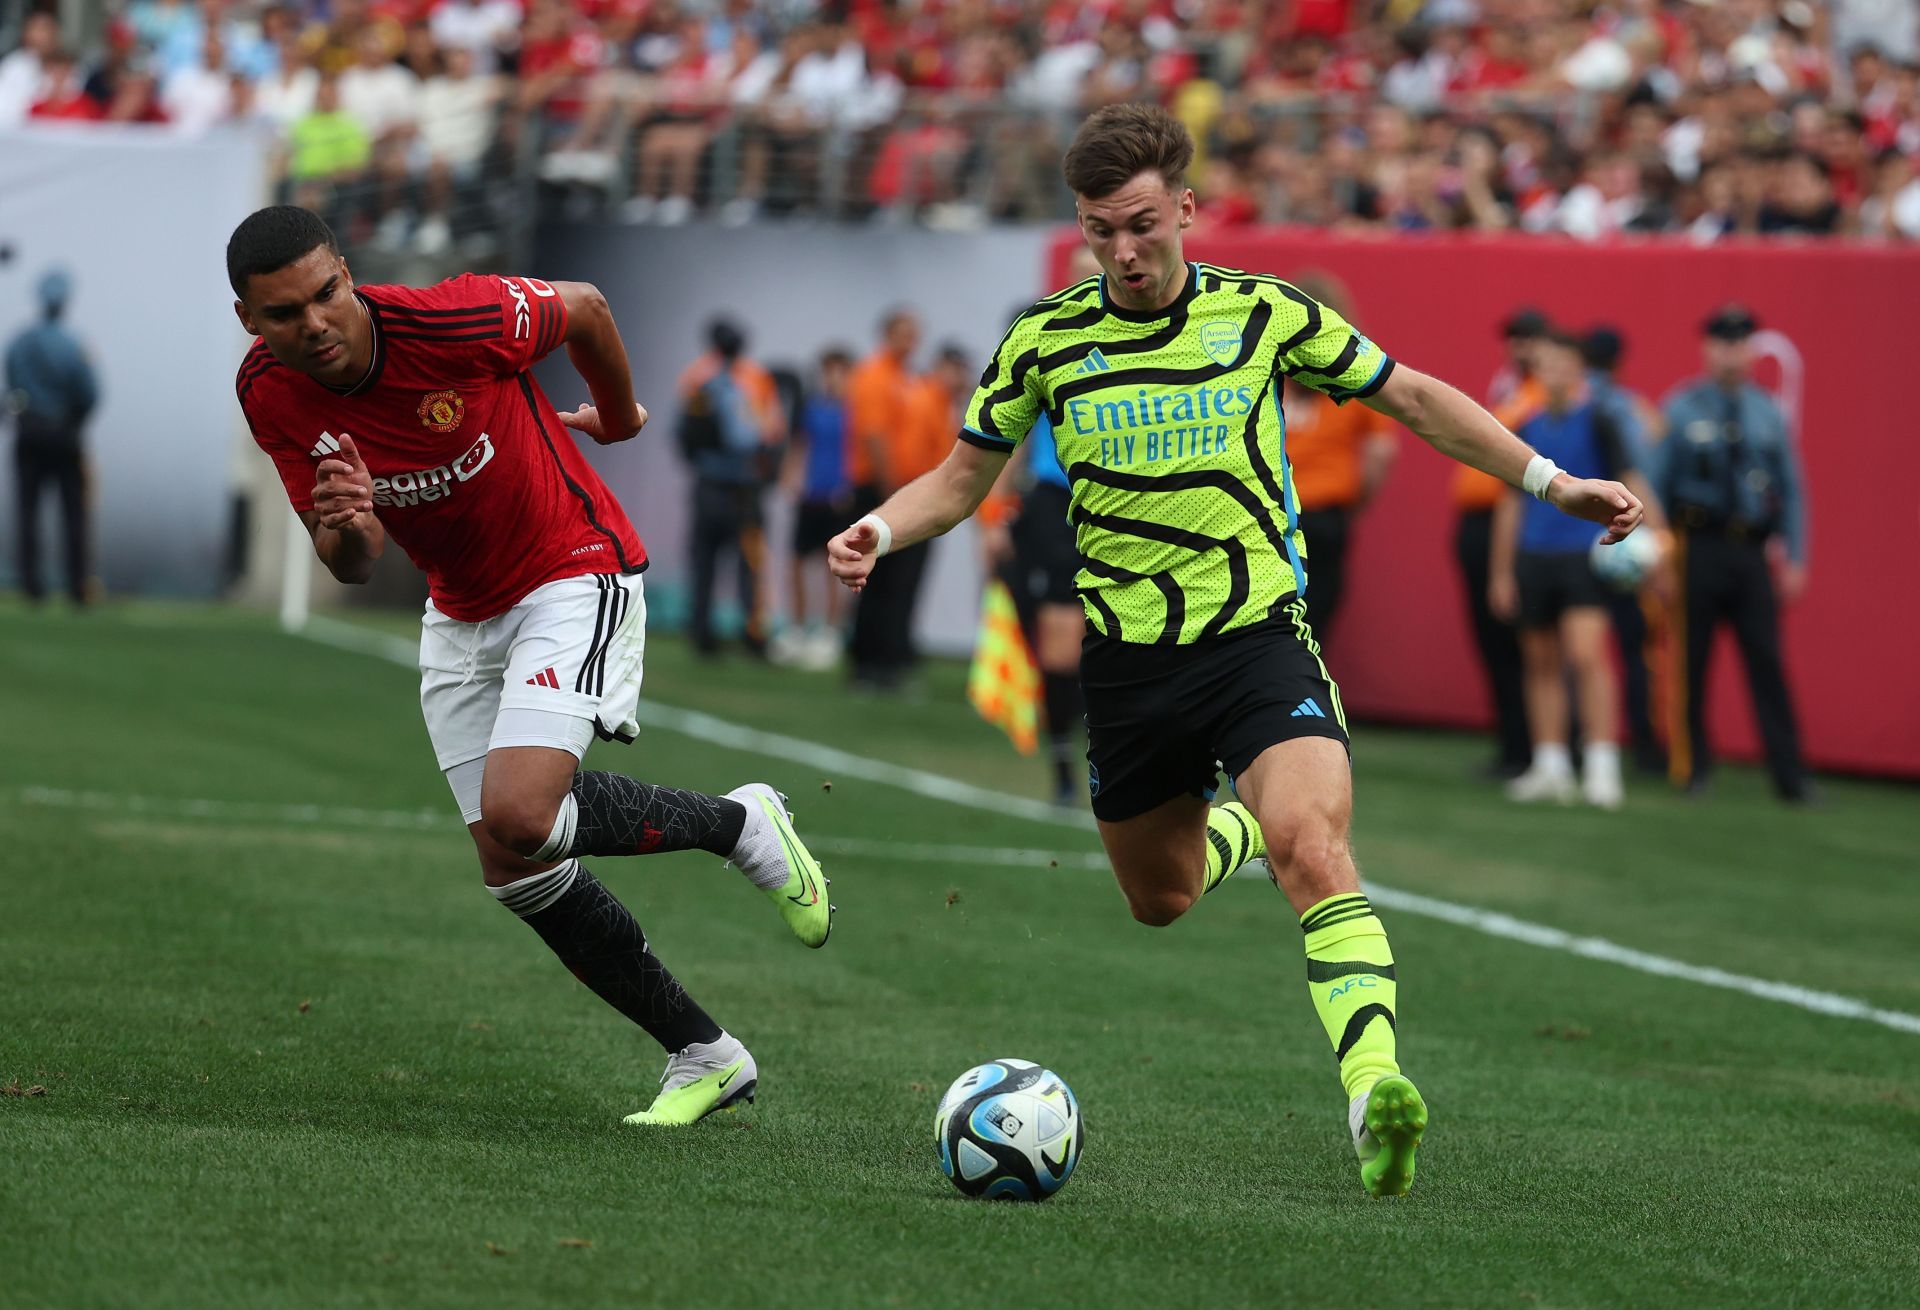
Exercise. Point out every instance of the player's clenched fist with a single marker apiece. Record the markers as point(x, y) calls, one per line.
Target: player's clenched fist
point(345, 488)
point(851, 555)
point(1598, 501)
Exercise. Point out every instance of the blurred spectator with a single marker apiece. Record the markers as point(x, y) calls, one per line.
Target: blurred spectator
point(815, 475)
point(687, 105)
point(1730, 478)
point(157, 22)
point(200, 94)
point(51, 390)
point(1514, 396)
point(327, 151)
point(383, 97)
point(286, 94)
point(930, 415)
point(1800, 198)
point(1562, 116)
point(729, 427)
point(63, 91)
point(1893, 210)
point(488, 30)
point(1340, 456)
point(457, 109)
point(22, 71)
point(878, 399)
point(1542, 578)
point(184, 45)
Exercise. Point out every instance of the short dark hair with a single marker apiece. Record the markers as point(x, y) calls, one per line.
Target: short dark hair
point(727, 338)
point(1118, 143)
point(833, 355)
point(269, 239)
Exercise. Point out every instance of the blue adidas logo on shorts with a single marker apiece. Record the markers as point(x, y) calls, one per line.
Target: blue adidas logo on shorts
point(1309, 708)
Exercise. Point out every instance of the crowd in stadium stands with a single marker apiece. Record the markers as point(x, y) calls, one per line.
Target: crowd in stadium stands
point(1708, 117)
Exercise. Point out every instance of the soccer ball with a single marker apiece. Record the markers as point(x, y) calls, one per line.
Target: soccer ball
point(1624, 565)
point(1008, 1128)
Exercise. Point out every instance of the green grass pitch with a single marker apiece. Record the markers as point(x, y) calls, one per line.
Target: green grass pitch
point(260, 1056)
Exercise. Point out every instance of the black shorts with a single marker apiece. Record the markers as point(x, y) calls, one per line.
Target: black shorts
point(1045, 556)
point(815, 522)
point(1162, 720)
point(1553, 583)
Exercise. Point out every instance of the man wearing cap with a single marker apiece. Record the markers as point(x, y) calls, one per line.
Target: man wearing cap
point(1514, 396)
point(50, 390)
point(1730, 478)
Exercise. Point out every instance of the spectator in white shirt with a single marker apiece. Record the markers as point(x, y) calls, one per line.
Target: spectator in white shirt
point(1893, 210)
point(285, 95)
point(21, 73)
point(486, 29)
point(457, 115)
point(384, 98)
point(201, 94)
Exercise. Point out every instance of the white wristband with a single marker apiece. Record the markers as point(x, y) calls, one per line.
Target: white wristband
point(881, 530)
point(1540, 474)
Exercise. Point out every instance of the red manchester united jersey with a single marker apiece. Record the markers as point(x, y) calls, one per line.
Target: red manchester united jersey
point(473, 474)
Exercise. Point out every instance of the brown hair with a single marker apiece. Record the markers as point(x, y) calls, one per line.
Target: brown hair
point(1118, 143)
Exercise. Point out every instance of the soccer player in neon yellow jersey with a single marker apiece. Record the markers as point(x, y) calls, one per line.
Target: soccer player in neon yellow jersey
point(1162, 381)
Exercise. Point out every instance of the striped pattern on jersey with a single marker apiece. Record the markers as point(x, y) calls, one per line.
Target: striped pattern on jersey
point(1169, 426)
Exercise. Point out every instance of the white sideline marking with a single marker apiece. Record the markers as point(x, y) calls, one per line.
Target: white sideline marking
point(797, 751)
point(445, 820)
point(794, 750)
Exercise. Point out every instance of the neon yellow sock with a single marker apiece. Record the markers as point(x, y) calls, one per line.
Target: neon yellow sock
point(1350, 975)
point(1233, 838)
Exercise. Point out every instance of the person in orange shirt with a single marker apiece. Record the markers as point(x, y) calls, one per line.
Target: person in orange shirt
point(1514, 396)
point(878, 395)
point(730, 425)
point(1340, 455)
point(930, 415)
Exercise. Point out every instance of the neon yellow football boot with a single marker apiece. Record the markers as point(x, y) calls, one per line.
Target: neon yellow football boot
point(1387, 1125)
point(775, 860)
point(705, 1077)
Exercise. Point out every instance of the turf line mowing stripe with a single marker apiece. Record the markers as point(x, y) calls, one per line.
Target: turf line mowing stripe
point(795, 750)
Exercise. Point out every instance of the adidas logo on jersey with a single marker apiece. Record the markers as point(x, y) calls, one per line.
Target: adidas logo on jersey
point(544, 678)
point(1309, 708)
point(1094, 363)
point(327, 445)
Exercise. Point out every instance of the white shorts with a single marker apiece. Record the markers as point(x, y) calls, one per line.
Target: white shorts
point(559, 669)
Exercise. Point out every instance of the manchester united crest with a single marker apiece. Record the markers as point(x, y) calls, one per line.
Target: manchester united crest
point(442, 410)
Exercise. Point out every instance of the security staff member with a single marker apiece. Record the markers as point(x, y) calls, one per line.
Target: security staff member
point(51, 389)
point(1730, 478)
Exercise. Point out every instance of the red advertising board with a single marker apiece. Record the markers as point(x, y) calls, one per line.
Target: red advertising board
point(1845, 359)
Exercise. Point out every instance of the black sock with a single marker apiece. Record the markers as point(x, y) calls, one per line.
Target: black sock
point(597, 937)
point(1066, 717)
point(618, 815)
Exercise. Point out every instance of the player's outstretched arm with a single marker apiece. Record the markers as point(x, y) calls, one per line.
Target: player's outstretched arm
point(347, 535)
point(600, 358)
point(930, 505)
point(1461, 430)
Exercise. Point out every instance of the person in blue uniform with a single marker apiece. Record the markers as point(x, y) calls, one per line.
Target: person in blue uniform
point(1730, 476)
point(51, 390)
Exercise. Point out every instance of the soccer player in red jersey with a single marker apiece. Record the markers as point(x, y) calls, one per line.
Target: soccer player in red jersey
point(409, 413)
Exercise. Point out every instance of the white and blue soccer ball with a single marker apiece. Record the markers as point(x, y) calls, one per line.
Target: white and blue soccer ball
point(1009, 1129)
point(1624, 565)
